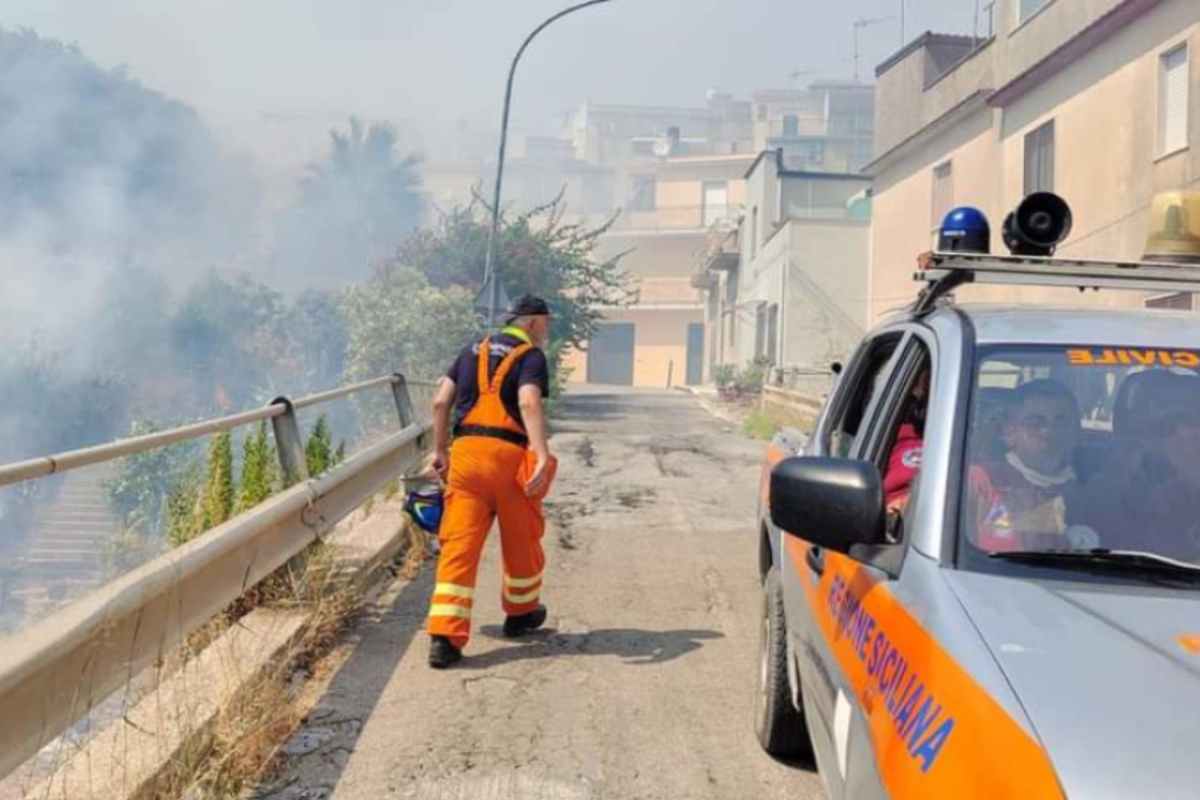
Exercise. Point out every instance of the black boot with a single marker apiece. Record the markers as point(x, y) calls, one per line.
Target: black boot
point(442, 653)
point(524, 623)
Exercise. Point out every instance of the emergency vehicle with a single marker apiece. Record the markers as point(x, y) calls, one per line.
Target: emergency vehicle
point(1025, 620)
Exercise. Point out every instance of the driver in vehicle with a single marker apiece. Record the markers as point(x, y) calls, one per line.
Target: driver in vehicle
point(1147, 498)
point(1019, 501)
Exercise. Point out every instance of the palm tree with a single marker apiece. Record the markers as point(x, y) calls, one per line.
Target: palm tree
point(356, 204)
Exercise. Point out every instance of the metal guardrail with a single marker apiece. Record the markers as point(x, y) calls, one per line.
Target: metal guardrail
point(54, 672)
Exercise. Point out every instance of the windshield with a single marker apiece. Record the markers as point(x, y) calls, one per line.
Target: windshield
point(1083, 447)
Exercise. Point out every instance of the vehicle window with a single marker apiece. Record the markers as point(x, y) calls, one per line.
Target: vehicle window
point(863, 384)
point(899, 459)
point(1077, 447)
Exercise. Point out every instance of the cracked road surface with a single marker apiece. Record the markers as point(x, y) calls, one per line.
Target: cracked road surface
point(642, 683)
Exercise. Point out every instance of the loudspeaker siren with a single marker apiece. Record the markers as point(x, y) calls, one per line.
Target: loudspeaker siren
point(1039, 224)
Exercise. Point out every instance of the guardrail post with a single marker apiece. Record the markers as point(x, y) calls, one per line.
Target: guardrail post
point(404, 406)
point(289, 444)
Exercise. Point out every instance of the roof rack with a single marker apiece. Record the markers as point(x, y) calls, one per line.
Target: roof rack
point(943, 272)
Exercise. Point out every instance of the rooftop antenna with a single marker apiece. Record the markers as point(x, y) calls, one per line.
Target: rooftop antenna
point(796, 73)
point(857, 25)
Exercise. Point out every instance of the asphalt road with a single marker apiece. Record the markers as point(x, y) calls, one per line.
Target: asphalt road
point(643, 682)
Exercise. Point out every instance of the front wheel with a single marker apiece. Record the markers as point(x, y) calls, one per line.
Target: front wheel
point(779, 725)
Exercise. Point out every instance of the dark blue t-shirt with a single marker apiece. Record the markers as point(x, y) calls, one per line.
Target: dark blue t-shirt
point(531, 369)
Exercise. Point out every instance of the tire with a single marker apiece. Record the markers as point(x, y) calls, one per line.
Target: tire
point(779, 725)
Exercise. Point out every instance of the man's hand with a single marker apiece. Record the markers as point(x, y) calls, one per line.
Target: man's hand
point(537, 482)
point(441, 464)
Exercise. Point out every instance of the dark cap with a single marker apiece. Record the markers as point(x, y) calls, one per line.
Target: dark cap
point(528, 306)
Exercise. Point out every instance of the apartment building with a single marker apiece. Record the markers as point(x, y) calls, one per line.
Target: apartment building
point(788, 281)
point(1096, 100)
point(827, 127)
point(660, 340)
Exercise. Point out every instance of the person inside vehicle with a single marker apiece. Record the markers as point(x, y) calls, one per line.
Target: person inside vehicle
point(904, 461)
point(1019, 501)
point(1147, 496)
point(992, 408)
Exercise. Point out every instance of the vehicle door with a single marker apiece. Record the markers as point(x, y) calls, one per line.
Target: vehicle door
point(841, 432)
point(891, 437)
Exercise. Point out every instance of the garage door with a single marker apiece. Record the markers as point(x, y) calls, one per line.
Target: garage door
point(610, 354)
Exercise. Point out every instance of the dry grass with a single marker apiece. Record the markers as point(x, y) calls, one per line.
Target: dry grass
point(245, 742)
point(251, 729)
point(238, 750)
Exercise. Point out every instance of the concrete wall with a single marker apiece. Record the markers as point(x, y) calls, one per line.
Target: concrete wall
point(653, 255)
point(816, 271)
point(659, 349)
point(1105, 109)
point(825, 312)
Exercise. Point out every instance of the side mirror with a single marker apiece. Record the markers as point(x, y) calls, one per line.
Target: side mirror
point(834, 503)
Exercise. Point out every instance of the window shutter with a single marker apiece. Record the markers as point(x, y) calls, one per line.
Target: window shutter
point(1039, 159)
point(1174, 112)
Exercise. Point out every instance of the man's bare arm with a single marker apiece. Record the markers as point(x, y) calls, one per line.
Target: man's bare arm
point(443, 403)
point(533, 414)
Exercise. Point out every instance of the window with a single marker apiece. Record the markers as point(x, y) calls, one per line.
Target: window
point(901, 420)
point(855, 391)
point(760, 331)
point(1173, 101)
point(642, 196)
point(812, 152)
point(1079, 447)
point(715, 206)
point(1039, 159)
point(773, 333)
point(762, 113)
point(731, 292)
point(1027, 8)
point(753, 231)
point(791, 125)
point(943, 192)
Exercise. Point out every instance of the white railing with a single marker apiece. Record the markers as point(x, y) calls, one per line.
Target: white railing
point(55, 671)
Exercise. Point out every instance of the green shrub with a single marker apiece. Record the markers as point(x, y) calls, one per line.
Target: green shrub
point(184, 510)
point(144, 480)
point(218, 488)
point(760, 425)
point(318, 452)
point(751, 379)
point(724, 375)
point(258, 469)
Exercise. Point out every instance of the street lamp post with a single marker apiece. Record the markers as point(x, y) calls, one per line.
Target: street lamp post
point(489, 271)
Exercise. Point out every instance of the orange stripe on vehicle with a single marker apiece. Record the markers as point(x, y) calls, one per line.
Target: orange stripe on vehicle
point(775, 454)
point(936, 733)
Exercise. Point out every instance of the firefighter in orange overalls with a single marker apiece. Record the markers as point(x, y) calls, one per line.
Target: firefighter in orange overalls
point(498, 466)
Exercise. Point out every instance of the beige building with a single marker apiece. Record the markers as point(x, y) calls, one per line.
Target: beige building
point(787, 282)
point(1096, 100)
point(659, 342)
point(827, 127)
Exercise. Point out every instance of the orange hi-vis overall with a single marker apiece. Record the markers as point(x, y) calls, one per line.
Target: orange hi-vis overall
point(489, 467)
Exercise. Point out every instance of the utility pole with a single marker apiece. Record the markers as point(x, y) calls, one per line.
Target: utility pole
point(491, 278)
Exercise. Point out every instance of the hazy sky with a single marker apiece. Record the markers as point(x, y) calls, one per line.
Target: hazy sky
point(274, 74)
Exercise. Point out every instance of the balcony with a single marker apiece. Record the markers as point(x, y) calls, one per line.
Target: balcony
point(722, 252)
point(676, 218)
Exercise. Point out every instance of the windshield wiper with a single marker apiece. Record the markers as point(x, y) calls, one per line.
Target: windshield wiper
point(1132, 561)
